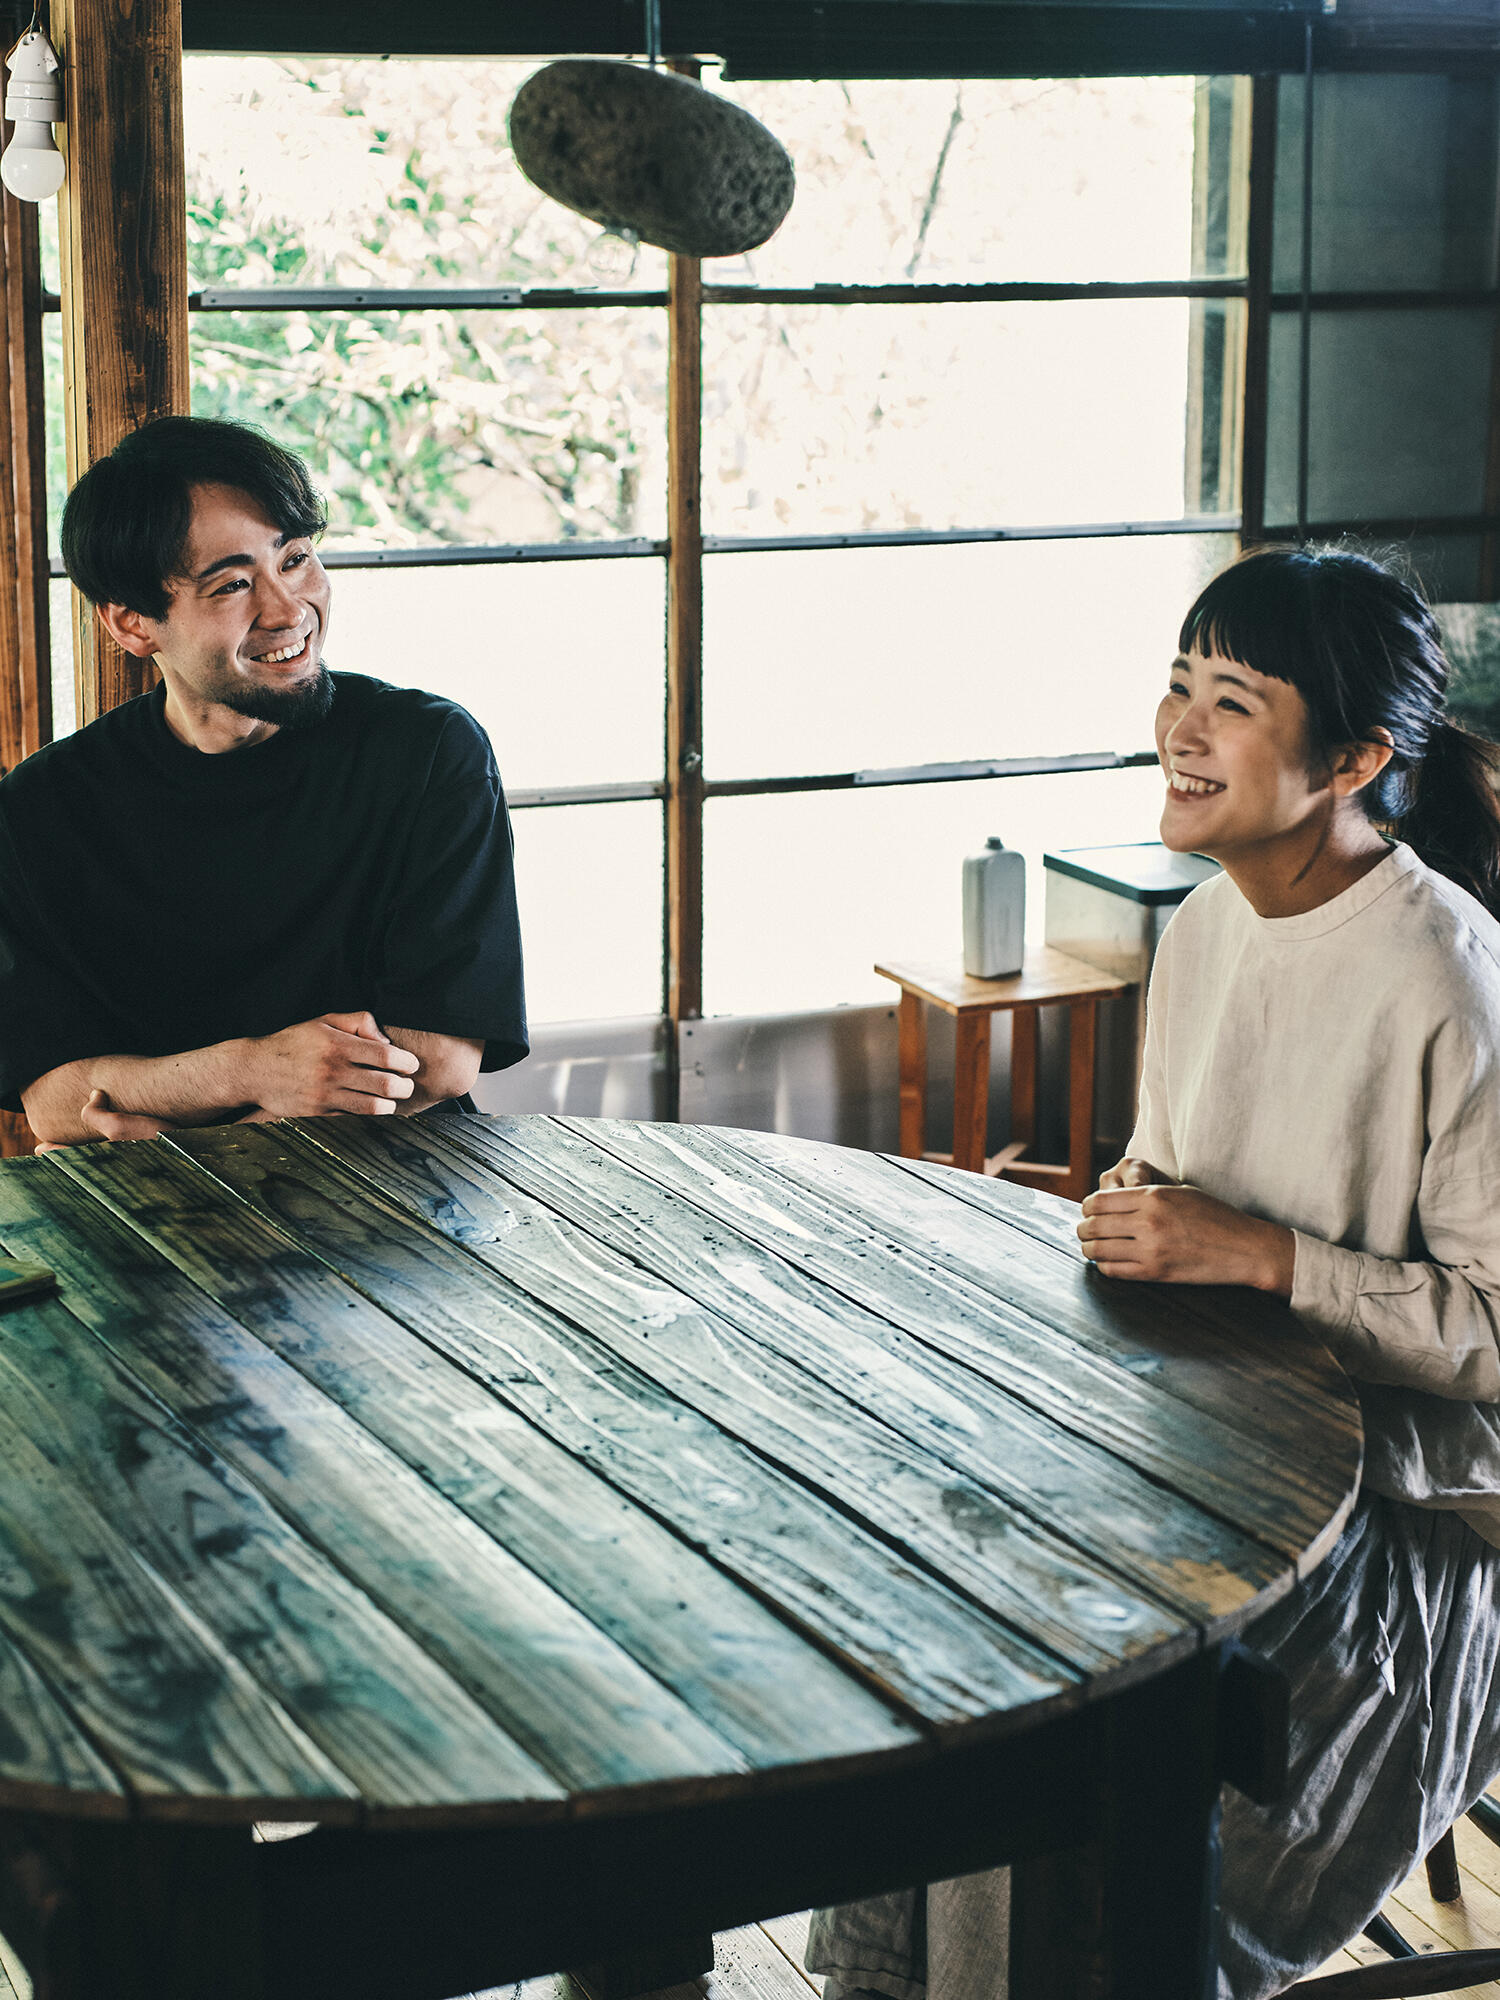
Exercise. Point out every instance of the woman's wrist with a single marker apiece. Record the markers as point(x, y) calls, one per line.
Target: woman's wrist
point(1277, 1260)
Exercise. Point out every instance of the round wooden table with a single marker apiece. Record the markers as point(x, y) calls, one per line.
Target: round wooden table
point(607, 1534)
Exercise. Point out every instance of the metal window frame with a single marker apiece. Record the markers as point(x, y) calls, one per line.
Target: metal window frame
point(683, 789)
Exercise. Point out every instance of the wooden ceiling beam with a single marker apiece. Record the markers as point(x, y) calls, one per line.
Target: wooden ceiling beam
point(874, 38)
point(123, 231)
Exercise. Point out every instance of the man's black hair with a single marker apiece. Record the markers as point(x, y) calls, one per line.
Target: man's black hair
point(125, 527)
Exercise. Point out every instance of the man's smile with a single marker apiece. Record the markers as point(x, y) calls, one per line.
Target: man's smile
point(284, 655)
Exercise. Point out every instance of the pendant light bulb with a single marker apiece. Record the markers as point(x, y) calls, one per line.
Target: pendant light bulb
point(611, 256)
point(31, 166)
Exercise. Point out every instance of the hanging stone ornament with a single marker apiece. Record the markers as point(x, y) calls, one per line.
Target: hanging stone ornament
point(652, 155)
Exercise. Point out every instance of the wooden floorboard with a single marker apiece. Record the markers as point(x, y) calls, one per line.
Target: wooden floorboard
point(1470, 1924)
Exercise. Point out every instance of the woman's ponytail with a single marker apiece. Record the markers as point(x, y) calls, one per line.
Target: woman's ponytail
point(1454, 821)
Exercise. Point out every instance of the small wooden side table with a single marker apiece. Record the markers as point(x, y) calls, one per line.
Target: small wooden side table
point(1048, 978)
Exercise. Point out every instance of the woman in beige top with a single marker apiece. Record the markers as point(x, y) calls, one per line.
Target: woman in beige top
point(1320, 1118)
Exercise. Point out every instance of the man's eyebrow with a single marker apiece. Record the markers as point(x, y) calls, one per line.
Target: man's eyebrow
point(241, 561)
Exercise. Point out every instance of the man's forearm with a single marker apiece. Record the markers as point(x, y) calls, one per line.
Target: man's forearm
point(336, 1063)
point(195, 1087)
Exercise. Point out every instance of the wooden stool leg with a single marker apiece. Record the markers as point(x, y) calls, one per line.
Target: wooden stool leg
point(911, 1031)
point(971, 1090)
point(1443, 1879)
point(1023, 1077)
point(1080, 1176)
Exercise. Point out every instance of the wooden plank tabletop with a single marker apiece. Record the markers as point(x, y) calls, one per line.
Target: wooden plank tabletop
point(1048, 976)
point(441, 1472)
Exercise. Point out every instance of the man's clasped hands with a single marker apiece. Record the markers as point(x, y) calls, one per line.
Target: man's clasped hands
point(338, 1062)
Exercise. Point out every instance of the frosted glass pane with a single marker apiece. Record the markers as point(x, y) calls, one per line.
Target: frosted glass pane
point(803, 894)
point(833, 419)
point(358, 170)
point(1074, 179)
point(561, 661)
point(464, 426)
point(64, 701)
point(1395, 417)
point(859, 659)
point(1413, 216)
point(589, 881)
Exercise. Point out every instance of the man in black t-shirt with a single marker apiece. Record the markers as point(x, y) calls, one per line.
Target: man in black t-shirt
point(217, 901)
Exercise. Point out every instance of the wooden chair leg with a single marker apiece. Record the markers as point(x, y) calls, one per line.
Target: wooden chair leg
point(1485, 1814)
point(1080, 1177)
point(971, 1090)
point(1443, 1878)
point(1023, 1078)
point(911, 1034)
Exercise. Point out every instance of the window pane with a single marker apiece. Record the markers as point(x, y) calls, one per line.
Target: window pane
point(1471, 639)
point(1072, 180)
point(803, 894)
point(455, 427)
point(835, 419)
point(859, 659)
point(561, 661)
point(589, 879)
point(64, 702)
point(1394, 420)
point(52, 413)
point(366, 171)
point(1413, 216)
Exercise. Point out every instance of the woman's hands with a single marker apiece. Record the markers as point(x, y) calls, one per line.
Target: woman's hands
point(1132, 1173)
point(1140, 1225)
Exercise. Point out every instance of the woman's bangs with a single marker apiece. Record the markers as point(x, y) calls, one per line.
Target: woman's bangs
point(1236, 617)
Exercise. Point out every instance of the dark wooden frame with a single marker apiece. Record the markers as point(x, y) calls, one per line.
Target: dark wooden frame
point(1109, 1813)
point(683, 875)
point(122, 222)
point(25, 621)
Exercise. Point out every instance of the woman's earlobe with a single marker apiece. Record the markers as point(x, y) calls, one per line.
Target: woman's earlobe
point(1356, 765)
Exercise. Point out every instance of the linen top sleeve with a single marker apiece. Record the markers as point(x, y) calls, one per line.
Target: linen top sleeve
point(1152, 1138)
point(1431, 1322)
point(449, 957)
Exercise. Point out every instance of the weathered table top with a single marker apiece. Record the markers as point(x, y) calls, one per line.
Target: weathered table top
point(430, 1473)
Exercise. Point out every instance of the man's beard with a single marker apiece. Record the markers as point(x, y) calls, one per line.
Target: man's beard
point(289, 708)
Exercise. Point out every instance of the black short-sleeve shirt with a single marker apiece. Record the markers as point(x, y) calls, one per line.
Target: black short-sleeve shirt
point(153, 898)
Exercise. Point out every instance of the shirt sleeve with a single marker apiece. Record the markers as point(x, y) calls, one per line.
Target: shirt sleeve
point(1152, 1138)
point(45, 1016)
point(1430, 1322)
point(450, 951)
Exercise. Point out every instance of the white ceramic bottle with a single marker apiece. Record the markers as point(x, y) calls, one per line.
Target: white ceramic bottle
point(994, 912)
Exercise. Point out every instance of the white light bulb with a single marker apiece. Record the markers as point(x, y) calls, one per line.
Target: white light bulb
point(31, 165)
point(611, 257)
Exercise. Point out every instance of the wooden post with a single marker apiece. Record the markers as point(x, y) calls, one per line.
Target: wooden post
point(1259, 231)
point(25, 626)
point(25, 633)
point(684, 758)
point(123, 227)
